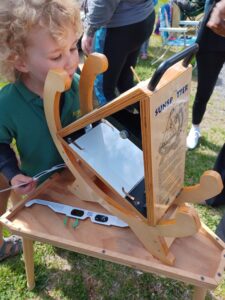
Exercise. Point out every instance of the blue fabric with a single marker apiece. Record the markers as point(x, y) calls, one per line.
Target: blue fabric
point(98, 47)
point(165, 19)
point(144, 47)
point(180, 41)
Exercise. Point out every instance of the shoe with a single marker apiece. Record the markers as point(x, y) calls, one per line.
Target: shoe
point(11, 246)
point(193, 138)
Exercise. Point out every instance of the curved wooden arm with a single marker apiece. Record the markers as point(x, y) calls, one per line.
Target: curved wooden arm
point(57, 81)
point(186, 222)
point(210, 185)
point(95, 64)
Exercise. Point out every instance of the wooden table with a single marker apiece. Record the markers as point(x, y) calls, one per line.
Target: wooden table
point(198, 261)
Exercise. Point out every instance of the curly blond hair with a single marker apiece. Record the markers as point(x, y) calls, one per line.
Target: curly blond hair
point(18, 17)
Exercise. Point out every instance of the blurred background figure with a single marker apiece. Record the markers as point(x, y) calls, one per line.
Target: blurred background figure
point(116, 29)
point(145, 45)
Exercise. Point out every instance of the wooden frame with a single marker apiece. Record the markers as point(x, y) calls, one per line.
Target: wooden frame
point(119, 245)
point(170, 239)
point(163, 120)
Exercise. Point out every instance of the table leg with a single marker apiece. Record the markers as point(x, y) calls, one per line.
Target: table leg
point(28, 253)
point(199, 293)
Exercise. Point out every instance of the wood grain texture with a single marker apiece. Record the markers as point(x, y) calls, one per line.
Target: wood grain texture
point(163, 117)
point(199, 258)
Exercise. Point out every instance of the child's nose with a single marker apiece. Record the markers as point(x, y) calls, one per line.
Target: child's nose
point(69, 62)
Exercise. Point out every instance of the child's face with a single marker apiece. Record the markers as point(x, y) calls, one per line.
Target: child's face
point(44, 53)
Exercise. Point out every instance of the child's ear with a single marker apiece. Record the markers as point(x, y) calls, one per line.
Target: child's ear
point(20, 65)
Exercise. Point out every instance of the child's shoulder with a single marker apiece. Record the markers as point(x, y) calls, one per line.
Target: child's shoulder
point(7, 92)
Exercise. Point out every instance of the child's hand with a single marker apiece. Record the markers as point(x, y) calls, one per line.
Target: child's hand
point(29, 184)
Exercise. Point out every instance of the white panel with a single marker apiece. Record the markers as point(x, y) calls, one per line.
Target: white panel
point(117, 160)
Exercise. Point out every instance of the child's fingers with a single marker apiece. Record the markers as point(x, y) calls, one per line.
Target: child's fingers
point(27, 188)
point(23, 184)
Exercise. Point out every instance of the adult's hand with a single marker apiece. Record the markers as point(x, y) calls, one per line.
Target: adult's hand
point(217, 19)
point(29, 184)
point(86, 44)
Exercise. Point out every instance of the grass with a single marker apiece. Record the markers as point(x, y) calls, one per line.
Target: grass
point(61, 274)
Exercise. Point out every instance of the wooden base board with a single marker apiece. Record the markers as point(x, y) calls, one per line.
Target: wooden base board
point(200, 260)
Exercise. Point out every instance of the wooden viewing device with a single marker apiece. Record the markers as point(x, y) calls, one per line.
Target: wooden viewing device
point(128, 160)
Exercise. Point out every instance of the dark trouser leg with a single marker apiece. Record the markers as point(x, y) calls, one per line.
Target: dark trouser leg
point(122, 45)
point(3, 202)
point(126, 80)
point(220, 168)
point(209, 65)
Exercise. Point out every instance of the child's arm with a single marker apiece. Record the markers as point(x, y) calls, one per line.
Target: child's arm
point(8, 161)
point(9, 168)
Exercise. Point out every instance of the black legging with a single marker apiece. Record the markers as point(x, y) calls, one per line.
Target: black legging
point(121, 47)
point(209, 65)
point(220, 168)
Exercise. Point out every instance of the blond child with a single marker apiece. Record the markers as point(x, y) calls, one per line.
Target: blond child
point(35, 36)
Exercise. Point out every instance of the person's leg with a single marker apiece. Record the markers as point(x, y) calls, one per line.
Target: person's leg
point(3, 202)
point(209, 65)
point(122, 46)
point(144, 50)
point(146, 44)
point(114, 51)
point(219, 166)
point(126, 79)
point(12, 245)
point(206, 6)
point(120, 43)
point(98, 47)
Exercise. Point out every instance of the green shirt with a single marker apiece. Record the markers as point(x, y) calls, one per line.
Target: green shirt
point(22, 117)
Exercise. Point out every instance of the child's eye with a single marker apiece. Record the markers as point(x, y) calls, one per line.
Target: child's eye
point(73, 48)
point(56, 57)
